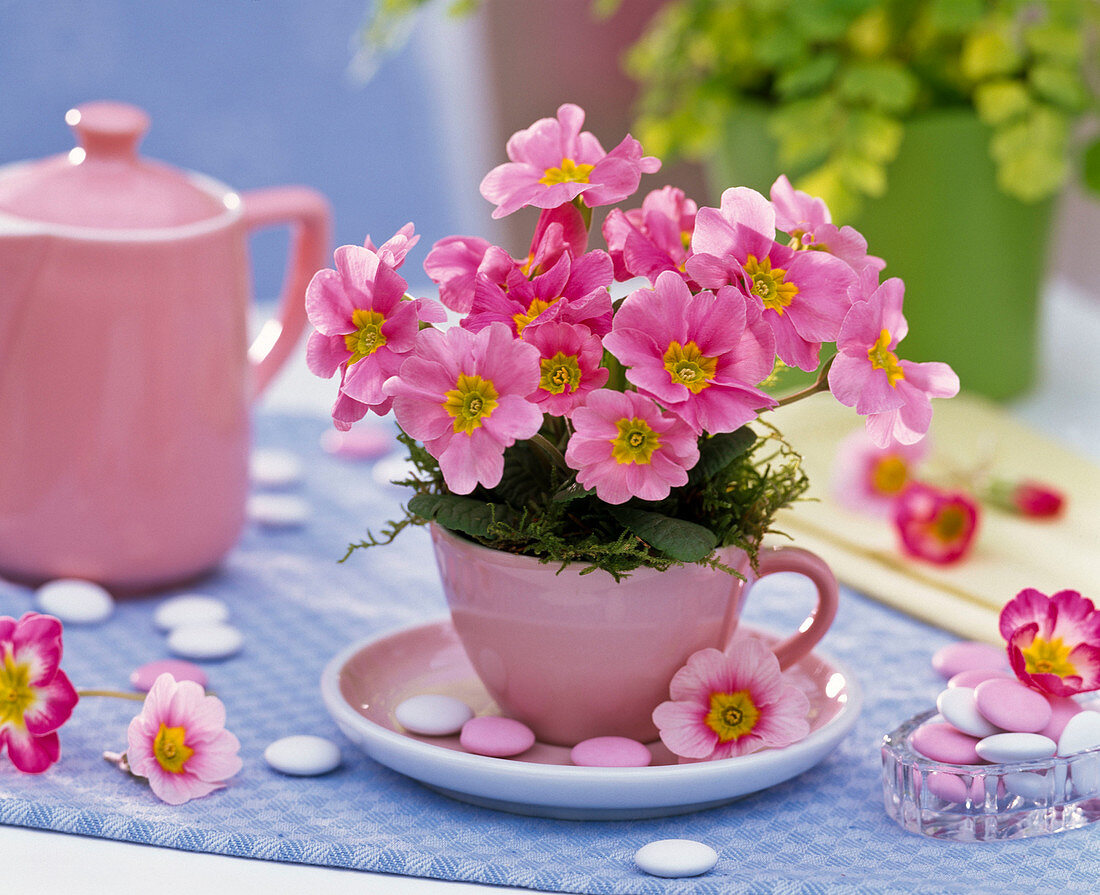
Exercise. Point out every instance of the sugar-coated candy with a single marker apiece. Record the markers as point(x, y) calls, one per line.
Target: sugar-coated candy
point(1012, 706)
point(75, 601)
point(674, 858)
point(432, 714)
point(495, 736)
point(303, 755)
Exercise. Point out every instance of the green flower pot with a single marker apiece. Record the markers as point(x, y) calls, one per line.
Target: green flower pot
point(972, 257)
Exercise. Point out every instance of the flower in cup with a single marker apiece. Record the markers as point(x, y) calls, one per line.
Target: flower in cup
point(806, 219)
point(569, 365)
point(466, 396)
point(700, 355)
point(803, 295)
point(36, 697)
point(1053, 642)
point(624, 446)
point(554, 162)
point(934, 525)
point(869, 478)
point(726, 704)
point(363, 327)
point(646, 241)
point(179, 742)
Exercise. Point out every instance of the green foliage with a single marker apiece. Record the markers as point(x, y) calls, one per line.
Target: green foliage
point(839, 79)
point(741, 481)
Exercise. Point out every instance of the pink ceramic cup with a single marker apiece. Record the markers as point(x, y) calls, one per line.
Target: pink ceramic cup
point(577, 656)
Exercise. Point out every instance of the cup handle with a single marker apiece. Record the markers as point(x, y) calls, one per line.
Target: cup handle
point(310, 217)
point(795, 559)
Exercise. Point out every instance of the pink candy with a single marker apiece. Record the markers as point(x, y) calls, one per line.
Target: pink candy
point(611, 752)
point(496, 737)
point(940, 741)
point(968, 656)
point(143, 678)
point(1012, 706)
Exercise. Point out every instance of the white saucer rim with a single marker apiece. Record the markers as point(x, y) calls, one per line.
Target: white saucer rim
point(825, 738)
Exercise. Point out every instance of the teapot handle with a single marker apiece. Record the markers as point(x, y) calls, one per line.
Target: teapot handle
point(310, 216)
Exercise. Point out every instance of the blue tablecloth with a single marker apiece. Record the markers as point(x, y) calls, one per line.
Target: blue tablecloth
point(825, 831)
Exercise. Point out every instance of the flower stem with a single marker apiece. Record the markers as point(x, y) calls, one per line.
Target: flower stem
point(820, 385)
point(551, 451)
point(137, 697)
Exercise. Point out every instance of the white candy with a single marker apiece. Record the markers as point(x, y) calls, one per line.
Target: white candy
point(433, 715)
point(205, 641)
point(303, 755)
point(277, 510)
point(1081, 733)
point(75, 601)
point(189, 609)
point(1006, 747)
point(960, 710)
point(1027, 785)
point(1085, 773)
point(673, 858)
point(270, 468)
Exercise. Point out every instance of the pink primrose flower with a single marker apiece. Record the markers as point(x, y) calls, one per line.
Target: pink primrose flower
point(452, 264)
point(646, 241)
point(893, 394)
point(1053, 642)
point(362, 325)
point(179, 742)
point(624, 447)
point(394, 249)
point(804, 295)
point(807, 221)
point(726, 704)
point(36, 697)
point(553, 162)
point(467, 397)
point(569, 365)
point(572, 291)
point(701, 356)
point(934, 525)
point(1034, 500)
point(870, 479)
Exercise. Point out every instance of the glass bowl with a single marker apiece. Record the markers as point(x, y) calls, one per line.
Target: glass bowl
point(989, 802)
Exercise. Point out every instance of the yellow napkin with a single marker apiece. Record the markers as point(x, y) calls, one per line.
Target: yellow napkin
point(1011, 552)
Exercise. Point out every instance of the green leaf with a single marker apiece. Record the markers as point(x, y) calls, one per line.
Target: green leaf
point(809, 77)
point(988, 53)
point(719, 451)
point(1001, 100)
point(457, 513)
point(884, 84)
point(572, 491)
point(1059, 85)
point(954, 16)
point(676, 538)
point(873, 135)
point(1092, 167)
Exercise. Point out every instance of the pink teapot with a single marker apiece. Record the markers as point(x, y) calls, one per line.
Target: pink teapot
point(125, 373)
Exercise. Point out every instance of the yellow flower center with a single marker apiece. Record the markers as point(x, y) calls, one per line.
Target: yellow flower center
point(768, 285)
point(732, 715)
point(470, 401)
point(1049, 657)
point(882, 358)
point(949, 524)
point(635, 442)
point(536, 307)
point(16, 693)
point(559, 373)
point(170, 750)
point(890, 475)
point(687, 365)
point(569, 172)
point(367, 337)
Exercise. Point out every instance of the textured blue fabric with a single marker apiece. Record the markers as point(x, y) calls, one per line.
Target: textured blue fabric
point(824, 832)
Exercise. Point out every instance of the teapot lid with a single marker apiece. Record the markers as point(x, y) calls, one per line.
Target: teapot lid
point(103, 183)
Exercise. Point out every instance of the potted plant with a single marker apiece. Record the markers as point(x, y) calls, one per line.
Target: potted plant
point(930, 124)
point(601, 471)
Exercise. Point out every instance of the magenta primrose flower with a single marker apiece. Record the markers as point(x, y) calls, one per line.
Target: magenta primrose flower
point(179, 742)
point(553, 162)
point(1053, 642)
point(467, 397)
point(806, 219)
point(36, 697)
point(569, 365)
point(869, 478)
point(866, 374)
point(624, 446)
point(644, 242)
point(363, 327)
point(572, 291)
point(803, 294)
point(701, 356)
point(726, 704)
point(934, 525)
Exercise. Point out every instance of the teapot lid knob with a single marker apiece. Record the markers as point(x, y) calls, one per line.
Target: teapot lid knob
point(108, 129)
